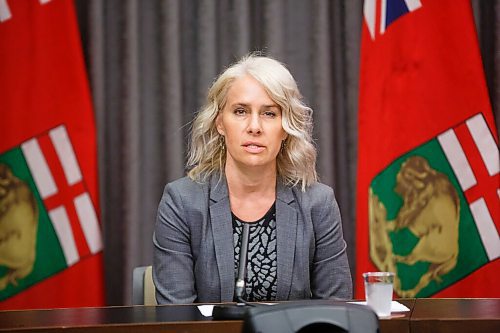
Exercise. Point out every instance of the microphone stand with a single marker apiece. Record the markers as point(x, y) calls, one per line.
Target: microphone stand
point(231, 311)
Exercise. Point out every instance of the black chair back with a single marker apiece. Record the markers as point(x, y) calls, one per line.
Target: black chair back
point(309, 317)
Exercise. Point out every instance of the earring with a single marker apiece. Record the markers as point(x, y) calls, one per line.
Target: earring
point(283, 146)
point(222, 142)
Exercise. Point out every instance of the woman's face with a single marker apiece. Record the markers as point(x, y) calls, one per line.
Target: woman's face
point(251, 124)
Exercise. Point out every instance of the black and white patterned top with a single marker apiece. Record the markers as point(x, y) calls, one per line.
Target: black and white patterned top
point(261, 260)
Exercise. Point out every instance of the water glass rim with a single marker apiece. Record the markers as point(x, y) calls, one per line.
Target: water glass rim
point(378, 274)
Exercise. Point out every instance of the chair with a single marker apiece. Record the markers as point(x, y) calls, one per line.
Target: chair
point(311, 316)
point(143, 288)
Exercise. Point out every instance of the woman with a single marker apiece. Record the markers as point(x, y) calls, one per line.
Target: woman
point(251, 160)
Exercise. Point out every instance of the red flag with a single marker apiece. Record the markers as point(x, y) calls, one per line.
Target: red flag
point(50, 236)
point(428, 204)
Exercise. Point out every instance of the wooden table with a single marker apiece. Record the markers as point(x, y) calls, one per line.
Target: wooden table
point(455, 315)
point(426, 315)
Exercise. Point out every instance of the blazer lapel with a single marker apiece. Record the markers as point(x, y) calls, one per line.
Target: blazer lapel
point(222, 230)
point(286, 234)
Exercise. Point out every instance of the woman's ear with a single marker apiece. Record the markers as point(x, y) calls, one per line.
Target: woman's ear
point(219, 125)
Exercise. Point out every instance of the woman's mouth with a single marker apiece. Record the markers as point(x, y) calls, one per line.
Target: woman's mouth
point(253, 148)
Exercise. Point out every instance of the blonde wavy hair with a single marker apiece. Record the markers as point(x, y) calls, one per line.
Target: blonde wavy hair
point(296, 162)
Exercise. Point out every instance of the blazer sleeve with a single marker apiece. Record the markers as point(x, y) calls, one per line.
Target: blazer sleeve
point(172, 257)
point(330, 273)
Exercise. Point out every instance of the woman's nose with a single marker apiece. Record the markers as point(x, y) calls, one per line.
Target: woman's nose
point(254, 126)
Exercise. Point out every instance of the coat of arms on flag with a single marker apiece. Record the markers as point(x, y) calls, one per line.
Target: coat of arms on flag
point(434, 212)
point(47, 219)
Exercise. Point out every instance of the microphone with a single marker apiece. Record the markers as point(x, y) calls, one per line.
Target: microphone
point(225, 312)
point(242, 264)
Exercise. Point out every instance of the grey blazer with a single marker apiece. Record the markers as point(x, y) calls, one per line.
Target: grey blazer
point(194, 253)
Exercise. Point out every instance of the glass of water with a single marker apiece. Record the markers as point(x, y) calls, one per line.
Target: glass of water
point(378, 291)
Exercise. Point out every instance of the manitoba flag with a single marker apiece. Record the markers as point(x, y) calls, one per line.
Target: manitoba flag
point(428, 199)
point(50, 235)
point(433, 211)
point(44, 194)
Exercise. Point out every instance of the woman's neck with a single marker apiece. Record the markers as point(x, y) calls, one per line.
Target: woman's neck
point(251, 194)
point(247, 181)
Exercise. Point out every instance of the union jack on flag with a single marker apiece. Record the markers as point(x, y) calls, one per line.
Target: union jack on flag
point(390, 10)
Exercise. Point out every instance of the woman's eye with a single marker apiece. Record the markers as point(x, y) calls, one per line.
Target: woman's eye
point(239, 111)
point(270, 114)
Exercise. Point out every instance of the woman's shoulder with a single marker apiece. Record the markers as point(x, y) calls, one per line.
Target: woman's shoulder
point(316, 192)
point(186, 186)
point(185, 182)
